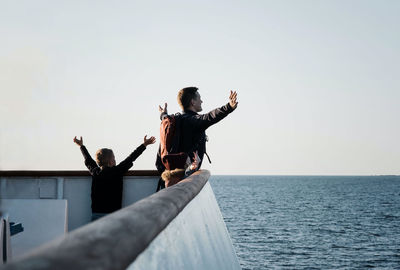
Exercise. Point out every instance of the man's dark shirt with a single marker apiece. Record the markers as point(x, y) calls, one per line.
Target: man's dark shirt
point(192, 131)
point(107, 183)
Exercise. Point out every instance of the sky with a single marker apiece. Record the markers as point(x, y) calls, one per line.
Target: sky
point(317, 82)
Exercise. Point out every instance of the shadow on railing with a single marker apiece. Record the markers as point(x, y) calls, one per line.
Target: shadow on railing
point(114, 242)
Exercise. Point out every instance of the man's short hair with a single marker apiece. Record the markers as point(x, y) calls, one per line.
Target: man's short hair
point(186, 95)
point(103, 156)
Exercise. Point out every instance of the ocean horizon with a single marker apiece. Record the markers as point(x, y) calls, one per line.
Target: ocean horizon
point(300, 175)
point(312, 221)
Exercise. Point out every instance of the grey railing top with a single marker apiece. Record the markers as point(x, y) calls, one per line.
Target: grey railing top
point(114, 242)
point(69, 173)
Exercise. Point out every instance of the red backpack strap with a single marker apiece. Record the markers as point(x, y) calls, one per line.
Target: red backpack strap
point(167, 131)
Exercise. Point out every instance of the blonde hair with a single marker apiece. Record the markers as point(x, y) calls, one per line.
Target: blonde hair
point(103, 156)
point(172, 177)
point(169, 174)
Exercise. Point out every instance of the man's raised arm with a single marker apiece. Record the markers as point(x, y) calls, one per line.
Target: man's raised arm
point(163, 111)
point(206, 120)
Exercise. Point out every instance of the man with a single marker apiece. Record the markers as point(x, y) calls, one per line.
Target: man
point(193, 125)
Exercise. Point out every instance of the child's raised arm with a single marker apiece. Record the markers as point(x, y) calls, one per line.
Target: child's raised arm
point(148, 141)
point(89, 162)
point(78, 142)
point(126, 164)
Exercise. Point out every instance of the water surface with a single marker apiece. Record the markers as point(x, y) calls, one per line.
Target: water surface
point(312, 222)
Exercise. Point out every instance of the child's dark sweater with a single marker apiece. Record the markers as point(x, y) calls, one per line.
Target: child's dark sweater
point(107, 182)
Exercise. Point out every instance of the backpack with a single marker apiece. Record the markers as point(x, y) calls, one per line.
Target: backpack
point(169, 143)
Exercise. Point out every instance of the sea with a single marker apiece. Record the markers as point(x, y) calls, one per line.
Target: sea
point(312, 222)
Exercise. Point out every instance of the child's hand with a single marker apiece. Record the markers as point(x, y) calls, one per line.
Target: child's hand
point(151, 140)
point(196, 161)
point(78, 142)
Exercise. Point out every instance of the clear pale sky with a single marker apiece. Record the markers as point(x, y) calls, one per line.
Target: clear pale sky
point(318, 81)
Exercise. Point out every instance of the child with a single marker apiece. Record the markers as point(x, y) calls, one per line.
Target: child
point(107, 177)
point(179, 170)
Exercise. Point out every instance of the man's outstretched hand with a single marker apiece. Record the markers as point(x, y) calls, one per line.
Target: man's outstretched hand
point(233, 99)
point(148, 141)
point(163, 110)
point(78, 142)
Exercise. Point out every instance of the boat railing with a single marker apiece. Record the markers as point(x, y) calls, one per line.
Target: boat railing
point(180, 227)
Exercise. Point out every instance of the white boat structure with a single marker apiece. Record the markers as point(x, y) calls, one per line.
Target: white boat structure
point(180, 227)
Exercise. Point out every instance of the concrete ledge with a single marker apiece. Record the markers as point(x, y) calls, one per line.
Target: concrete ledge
point(196, 239)
point(115, 241)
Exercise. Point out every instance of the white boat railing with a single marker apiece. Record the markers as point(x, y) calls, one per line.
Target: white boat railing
point(180, 226)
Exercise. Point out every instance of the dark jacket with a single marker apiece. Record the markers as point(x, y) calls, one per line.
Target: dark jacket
point(192, 131)
point(107, 183)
